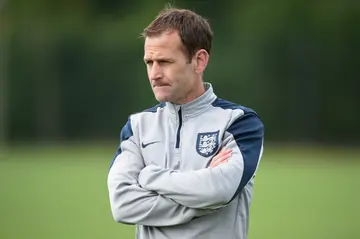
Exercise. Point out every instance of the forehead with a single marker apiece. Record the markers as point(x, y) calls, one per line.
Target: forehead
point(167, 44)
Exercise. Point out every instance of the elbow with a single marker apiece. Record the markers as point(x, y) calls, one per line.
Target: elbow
point(119, 213)
point(119, 217)
point(118, 202)
point(119, 207)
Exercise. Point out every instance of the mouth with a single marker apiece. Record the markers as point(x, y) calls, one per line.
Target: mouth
point(160, 85)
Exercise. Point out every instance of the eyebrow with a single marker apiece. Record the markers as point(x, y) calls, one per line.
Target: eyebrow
point(159, 59)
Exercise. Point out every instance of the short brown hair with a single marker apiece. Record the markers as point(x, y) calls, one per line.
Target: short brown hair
point(194, 30)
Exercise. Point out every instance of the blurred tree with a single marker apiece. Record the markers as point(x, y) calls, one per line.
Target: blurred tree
point(4, 55)
point(75, 68)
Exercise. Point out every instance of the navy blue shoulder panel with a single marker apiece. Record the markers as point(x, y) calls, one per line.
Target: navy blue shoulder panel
point(224, 104)
point(125, 134)
point(126, 131)
point(248, 132)
point(153, 109)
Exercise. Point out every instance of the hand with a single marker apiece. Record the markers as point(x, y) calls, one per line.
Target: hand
point(221, 157)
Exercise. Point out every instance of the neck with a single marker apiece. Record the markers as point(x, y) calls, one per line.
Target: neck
point(193, 94)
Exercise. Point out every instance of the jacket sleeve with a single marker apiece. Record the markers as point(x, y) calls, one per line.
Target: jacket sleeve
point(212, 188)
point(131, 204)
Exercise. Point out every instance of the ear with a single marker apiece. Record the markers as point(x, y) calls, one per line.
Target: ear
point(201, 58)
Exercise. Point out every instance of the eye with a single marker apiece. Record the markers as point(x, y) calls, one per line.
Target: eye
point(164, 62)
point(148, 62)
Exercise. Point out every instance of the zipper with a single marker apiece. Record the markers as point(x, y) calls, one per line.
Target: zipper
point(178, 131)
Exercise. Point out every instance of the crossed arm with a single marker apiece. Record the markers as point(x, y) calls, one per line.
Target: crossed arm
point(154, 196)
point(132, 204)
point(214, 187)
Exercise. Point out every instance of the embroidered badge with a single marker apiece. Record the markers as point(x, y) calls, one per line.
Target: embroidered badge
point(207, 143)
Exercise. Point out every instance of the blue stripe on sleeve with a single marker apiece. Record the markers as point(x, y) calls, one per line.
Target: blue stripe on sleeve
point(125, 134)
point(248, 132)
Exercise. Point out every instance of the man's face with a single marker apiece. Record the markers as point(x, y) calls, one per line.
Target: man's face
point(171, 76)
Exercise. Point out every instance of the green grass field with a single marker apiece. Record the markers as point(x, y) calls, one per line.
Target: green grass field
point(61, 193)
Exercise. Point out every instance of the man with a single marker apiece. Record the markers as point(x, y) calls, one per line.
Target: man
point(185, 168)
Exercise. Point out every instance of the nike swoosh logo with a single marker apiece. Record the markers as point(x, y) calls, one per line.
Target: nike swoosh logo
point(145, 145)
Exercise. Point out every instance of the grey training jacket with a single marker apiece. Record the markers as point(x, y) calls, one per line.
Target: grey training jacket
point(160, 181)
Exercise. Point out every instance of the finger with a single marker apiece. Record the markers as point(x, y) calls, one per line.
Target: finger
point(222, 152)
point(216, 159)
point(224, 157)
point(225, 150)
point(221, 155)
point(218, 163)
point(221, 159)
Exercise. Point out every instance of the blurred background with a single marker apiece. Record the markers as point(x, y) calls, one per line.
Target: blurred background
point(71, 72)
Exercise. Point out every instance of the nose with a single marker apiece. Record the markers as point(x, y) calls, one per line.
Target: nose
point(154, 71)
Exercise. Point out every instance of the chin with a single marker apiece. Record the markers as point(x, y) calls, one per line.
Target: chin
point(161, 98)
point(161, 95)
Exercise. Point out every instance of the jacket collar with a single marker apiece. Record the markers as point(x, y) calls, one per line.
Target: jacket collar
point(195, 107)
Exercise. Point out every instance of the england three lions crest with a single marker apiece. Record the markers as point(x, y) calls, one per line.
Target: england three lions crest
point(207, 143)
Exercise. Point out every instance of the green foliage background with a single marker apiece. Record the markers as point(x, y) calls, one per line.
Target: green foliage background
point(74, 69)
